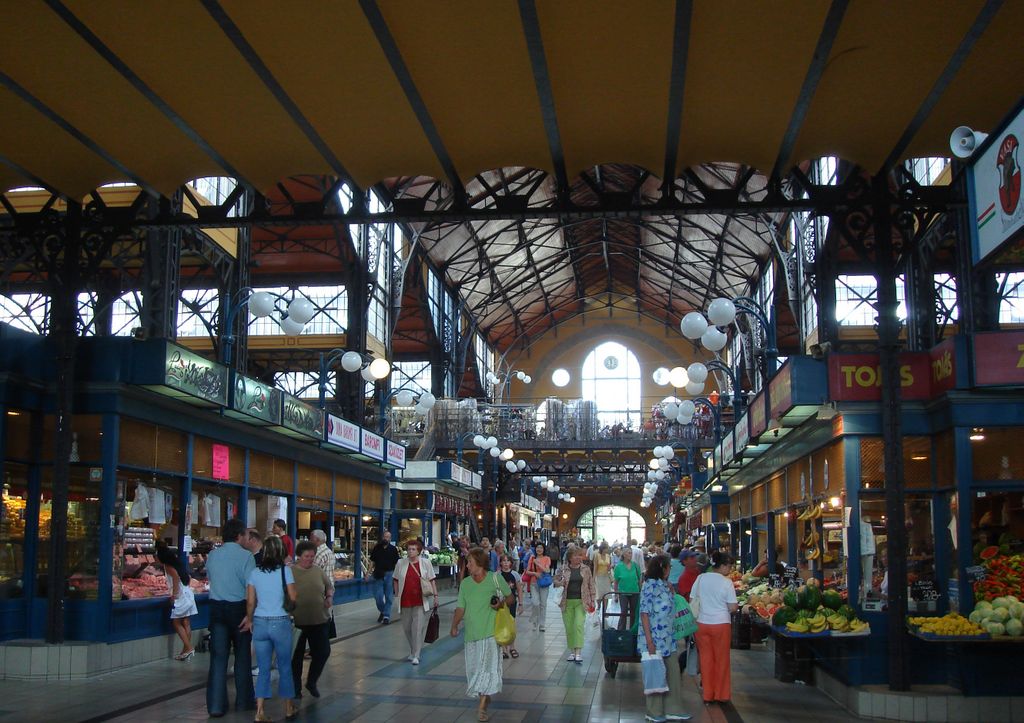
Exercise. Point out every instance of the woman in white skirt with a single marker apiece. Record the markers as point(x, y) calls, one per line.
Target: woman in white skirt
point(481, 594)
point(183, 598)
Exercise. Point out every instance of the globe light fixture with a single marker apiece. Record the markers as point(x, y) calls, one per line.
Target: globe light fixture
point(507, 454)
point(661, 376)
point(404, 398)
point(494, 452)
point(521, 465)
point(351, 361)
point(670, 410)
point(510, 466)
point(678, 377)
point(721, 311)
point(697, 372)
point(714, 340)
point(291, 326)
point(301, 310)
point(261, 304)
point(693, 325)
point(379, 368)
point(653, 464)
point(694, 388)
point(560, 377)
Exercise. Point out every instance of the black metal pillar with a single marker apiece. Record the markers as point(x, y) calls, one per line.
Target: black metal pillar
point(64, 281)
point(886, 251)
point(161, 276)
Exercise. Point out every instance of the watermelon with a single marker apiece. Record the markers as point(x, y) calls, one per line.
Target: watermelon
point(789, 599)
point(784, 615)
point(803, 614)
point(832, 599)
point(762, 612)
point(847, 612)
point(808, 597)
point(989, 552)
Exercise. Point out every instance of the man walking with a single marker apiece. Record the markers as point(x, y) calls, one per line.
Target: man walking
point(384, 557)
point(228, 569)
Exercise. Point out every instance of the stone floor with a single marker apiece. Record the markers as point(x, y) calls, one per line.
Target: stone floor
point(367, 679)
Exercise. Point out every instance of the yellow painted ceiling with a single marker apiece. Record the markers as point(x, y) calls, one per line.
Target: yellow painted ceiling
point(609, 65)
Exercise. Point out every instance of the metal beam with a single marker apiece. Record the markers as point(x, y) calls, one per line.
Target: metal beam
point(676, 91)
point(819, 60)
point(956, 61)
point(412, 94)
point(545, 96)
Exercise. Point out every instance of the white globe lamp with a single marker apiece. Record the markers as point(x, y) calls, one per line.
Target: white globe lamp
point(261, 304)
point(721, 311)
point(351, 361)
point(693, 325)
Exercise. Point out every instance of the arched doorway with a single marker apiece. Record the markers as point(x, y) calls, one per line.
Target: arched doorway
point(613, 523)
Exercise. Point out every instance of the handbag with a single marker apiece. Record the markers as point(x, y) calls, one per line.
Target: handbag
point(504, 623)
point(425, 587)
point(433, 628)
point(332, 629)
point(683, 622)
point(287, 603)
point(695, 600)
point(544, 579)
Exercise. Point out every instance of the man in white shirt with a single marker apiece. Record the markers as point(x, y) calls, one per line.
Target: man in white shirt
point(324, 555)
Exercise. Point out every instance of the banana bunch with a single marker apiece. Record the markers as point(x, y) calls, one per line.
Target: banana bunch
point(813, 512)
point(839, 623)
point(817, 624)
point(857, 626)
point(812, 538)
point(813, 554)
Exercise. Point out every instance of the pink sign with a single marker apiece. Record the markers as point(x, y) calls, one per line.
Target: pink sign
point(221, 462)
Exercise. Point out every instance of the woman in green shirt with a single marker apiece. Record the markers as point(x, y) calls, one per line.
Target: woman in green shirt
point(481, 595)
point(627, 585)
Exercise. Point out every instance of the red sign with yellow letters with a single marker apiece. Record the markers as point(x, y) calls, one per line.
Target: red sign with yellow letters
point(858, 378)
point(999, 358)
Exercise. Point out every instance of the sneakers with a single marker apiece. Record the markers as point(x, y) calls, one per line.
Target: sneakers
point(255, 670)
point(542, 628)
point(380, 618)
point(415, 661)
point(678, 716)
point(655, 718)
point(579, 658)
point(571, 658)
point(386, 621)
point(410, 658)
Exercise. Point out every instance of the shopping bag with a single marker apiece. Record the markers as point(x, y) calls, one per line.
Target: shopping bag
point(683, 624)
point(332, 629)
point(433, 628)
point(653, 669)
point(692, 659)
point(504, 627)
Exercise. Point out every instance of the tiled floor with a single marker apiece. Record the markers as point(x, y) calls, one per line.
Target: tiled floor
point(367, 679)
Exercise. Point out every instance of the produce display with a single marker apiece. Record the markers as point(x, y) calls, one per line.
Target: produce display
point(1002, 616)
point(811, 543)
point(761, 600)
point(809, 611)
point(951, 625)
point(1004, 575)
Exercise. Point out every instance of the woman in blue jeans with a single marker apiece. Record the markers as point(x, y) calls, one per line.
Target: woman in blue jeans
point(270, 624)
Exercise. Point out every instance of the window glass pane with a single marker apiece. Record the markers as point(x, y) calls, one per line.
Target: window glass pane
point(197, 312)
point(611, 379)
point(304, 385)
point(1011, 297)
point(412, 375)
point(87, 313)
point(28, 312)
point(13, 511)
point(125, 313)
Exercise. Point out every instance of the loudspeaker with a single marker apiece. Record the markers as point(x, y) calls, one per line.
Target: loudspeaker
point(963, 141)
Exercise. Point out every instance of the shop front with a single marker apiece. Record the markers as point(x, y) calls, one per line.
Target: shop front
point(817, 505)
point(165, 468)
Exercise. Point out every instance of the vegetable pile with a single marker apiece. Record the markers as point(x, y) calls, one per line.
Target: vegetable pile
point(1004, 575)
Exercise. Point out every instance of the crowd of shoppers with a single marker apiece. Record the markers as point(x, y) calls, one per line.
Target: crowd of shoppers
point(259, 595)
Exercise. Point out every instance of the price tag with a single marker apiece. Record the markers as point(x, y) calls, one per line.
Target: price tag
point(923, 591)
point(975, 573)
point(775, 580)
point(187, 544)
point(791, 577)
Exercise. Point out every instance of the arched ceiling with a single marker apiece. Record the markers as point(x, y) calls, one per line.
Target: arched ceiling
point(536, 104)
point(519, 278)
point(367, 90)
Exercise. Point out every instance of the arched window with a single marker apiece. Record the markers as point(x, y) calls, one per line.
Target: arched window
point(611, 378)
point(613, 524)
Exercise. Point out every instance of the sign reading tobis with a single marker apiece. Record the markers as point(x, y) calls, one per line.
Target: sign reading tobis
point(858, 377)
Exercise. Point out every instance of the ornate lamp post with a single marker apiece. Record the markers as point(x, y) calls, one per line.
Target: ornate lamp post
point(293, 317)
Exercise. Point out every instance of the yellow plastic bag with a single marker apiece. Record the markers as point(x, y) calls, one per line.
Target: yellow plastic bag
point(504, 627)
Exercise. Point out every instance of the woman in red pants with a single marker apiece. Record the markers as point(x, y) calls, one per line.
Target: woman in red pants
point(717, 601)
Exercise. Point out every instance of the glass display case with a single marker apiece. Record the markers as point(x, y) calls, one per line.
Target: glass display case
point(344, 548)
point(82, 580)
point(12, 531)
point(145, 511)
